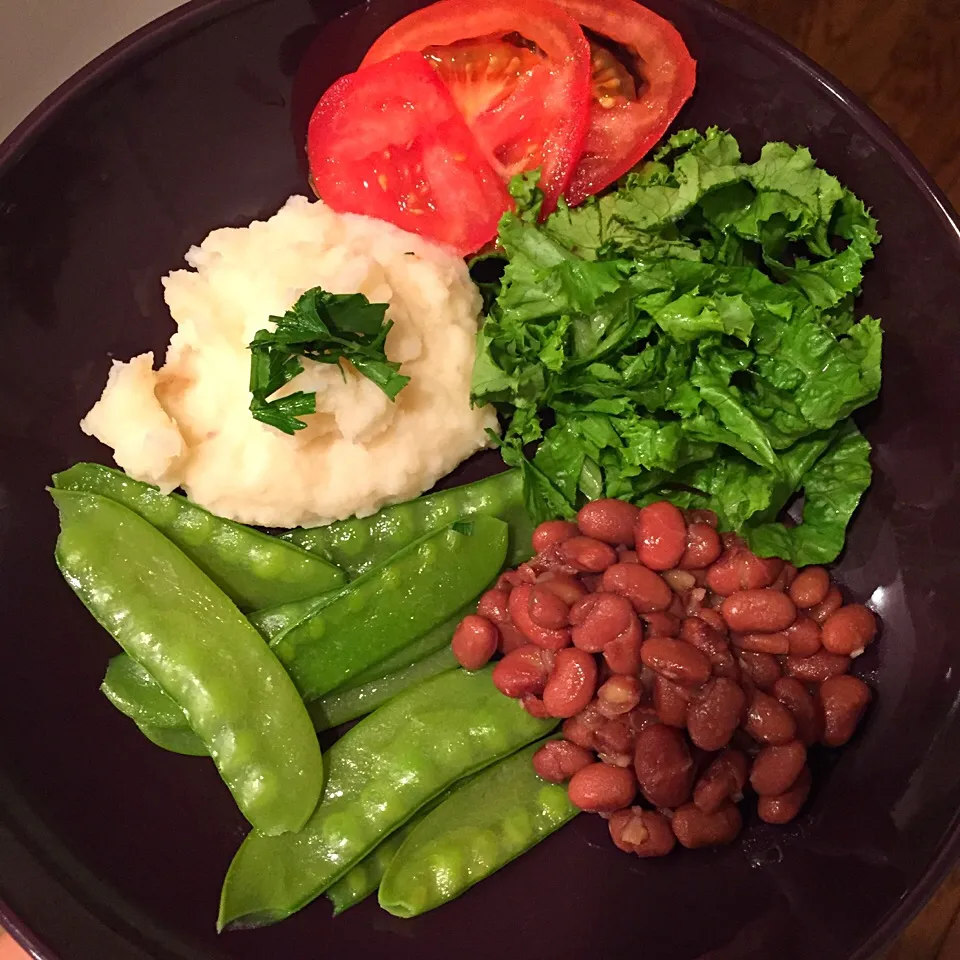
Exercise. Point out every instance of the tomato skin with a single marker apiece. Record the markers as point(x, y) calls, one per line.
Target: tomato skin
point(621, 135)
point(550, 105)
point(388, 142)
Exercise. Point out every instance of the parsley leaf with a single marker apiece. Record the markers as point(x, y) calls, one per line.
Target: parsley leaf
point(326, 328)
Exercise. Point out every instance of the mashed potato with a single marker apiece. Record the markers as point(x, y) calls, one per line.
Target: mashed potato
point(188, 424)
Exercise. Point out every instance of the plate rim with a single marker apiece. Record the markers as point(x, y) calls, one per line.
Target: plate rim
point(175, 23)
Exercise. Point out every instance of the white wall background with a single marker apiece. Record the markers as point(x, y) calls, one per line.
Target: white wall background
point(43, 42)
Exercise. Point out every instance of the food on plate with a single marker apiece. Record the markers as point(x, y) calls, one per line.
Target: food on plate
point(417, 166)
point(519, 74)
point(692, 336)
point(498, 815)
point(133, 691)
point(342, 706)
point(669, 651)
point(189, 424)
point(253, 569)
point(326, 328)
point(426, 582)
point(379, 774)
point(642, 75)
point(673, 357)
point(357, 545)
point(578, 90)
point(175, 622)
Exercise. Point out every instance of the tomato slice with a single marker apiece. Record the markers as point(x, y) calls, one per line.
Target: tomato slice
point(389, 142)
point(626, 121)
point(520, 72)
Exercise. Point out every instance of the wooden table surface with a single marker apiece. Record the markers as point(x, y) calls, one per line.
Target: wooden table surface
point(903, 58)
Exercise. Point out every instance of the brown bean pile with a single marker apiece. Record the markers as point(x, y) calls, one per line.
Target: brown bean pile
point(688, 670)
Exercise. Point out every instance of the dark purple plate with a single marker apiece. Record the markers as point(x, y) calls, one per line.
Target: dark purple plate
point(111, 849)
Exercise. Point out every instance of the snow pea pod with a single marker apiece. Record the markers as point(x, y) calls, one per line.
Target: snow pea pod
point(499, 815)
point(252, 568)
point(344, 705)
point(178, 624)
point(175, 739)
point(379, 774)
point(132, 689)
point(134, 692)
point(362, 879)
point(435, 639)
point(381, 613)
point(358, 545)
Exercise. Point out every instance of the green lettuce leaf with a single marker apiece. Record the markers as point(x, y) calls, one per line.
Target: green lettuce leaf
point(691, 334)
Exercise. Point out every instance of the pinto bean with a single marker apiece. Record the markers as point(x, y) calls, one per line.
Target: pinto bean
point(571, 684)
point(694, 828)
point(618, 695)
point(675, 660)
point(723, 780)
point(761, 669)
point(559, 760)
point(671, 702)
point(588, 555)
point(551, 533)
point(803, 637)
point(493, 605)
point(519, 606)
point(810, 587)
point(738, 569)
point(768, 720)
point(830, 604)
point(843, 701)
point(699, 633)
point(523, 671)
point(848, 631)
point(474, 642)
point(661, 624)
point(582, 729)
point(567, 587)
point(601, 788)
point(599, 618)
point(611, 521)
point(776, 768)
point(622, 655)
point(642, 587)
point(784, 807)
point(713, 717)
point(805, 709)
point(821, 666)
point(758, 611)
point(660, 535)
point(664, 766)
point(703, 547)
point(647, 833)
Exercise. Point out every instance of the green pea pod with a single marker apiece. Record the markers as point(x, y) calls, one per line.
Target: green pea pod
point(174, 739)
point(359, 545)
point(132, 689)
point(175, 621)
point(361, 880)
point(344, 705)
point(379, 614)
point(252, 568)
point(435, 639)
point(499, 815)
point(134, 692)
point(379, 774)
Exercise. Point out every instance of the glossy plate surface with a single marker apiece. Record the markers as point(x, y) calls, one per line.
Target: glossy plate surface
point(111, 849)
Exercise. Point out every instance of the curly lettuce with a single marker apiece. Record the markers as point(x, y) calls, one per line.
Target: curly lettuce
point(691, 335)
